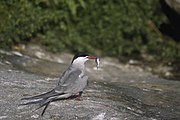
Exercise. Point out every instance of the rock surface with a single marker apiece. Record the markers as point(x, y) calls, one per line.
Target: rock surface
point(174, 4)
point(115, 92)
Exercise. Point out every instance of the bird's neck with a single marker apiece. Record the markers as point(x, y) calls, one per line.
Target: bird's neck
point(79, 66)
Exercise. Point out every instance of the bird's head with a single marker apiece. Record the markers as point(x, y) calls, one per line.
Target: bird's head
point(81, 58)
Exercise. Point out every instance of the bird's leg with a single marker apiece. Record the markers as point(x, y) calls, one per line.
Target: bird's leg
point(76, 96)
point(79, 96)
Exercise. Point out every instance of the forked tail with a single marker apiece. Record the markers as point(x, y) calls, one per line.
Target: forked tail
point(45, 99)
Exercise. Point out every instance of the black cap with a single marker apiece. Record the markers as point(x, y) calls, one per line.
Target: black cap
point(79, 55)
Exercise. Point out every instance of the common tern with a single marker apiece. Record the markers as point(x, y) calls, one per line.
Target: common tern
point(70, 85)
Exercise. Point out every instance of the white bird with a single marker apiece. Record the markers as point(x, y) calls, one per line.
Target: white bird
point(71, 84)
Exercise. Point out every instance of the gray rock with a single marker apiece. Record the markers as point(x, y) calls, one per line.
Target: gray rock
point(115, 92)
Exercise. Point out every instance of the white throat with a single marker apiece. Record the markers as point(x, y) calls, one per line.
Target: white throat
point(79, 62)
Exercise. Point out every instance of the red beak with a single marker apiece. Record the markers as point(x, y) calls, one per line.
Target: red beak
point(91, 57)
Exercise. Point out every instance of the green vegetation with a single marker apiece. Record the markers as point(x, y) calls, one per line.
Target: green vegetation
point(111, 27)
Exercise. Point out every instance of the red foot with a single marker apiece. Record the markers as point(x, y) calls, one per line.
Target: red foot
point(78, 98)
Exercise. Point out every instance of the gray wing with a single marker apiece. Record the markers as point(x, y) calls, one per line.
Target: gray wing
point(65, 75)
point(68, 79)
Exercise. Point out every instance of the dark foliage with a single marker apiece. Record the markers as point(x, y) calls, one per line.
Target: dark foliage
point(110, 27)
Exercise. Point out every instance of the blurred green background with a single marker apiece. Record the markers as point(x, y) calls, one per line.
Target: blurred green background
point(119, 28)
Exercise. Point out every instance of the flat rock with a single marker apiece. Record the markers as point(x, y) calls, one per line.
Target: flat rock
point(115, 92)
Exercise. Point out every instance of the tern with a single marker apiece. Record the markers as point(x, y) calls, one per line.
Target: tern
point(70, 85)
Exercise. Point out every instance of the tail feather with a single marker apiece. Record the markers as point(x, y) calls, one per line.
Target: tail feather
point(31, 102)
point(47, 104)
point(45, 99)
point(42, 104)
point(44, 95)
point(49, 100)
